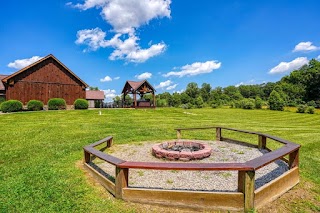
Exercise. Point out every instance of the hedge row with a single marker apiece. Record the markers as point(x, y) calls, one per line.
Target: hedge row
point(35, 105)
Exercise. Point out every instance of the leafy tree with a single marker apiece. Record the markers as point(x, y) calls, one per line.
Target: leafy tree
point(192, 90)
point(205, 92)
point(93, 88)
point(185, 98)
point(199, 102)
point(176, 100)
point(275, 101)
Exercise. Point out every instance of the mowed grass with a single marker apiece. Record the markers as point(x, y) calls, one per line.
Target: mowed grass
point(40, 150)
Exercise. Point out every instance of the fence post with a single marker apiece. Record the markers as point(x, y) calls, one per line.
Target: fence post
point(86, 156)
point(262, 142)
point(218, 133)
point(179, 133)
point(121, 181)
point(294, 159)
point(246, 186)
point(109, 142)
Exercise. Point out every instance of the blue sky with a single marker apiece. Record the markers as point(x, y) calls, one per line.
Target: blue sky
point(171, 43)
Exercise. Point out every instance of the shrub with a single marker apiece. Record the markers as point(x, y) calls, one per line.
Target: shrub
point(34, 105)
point(275, 101)
point(56, 103)
point(186, 106)
point(2, 100)
point(162, 103)
point(81, 104)
point(310, 109)
point(312, 103)
point(11, 106)
point(247, 103)
point(258, 103)
point(301, 108)
point(199, 102)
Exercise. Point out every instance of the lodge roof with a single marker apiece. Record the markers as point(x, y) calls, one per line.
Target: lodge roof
point(1, 84)
point(136, 84)
point(6, 78)
point(94, 95)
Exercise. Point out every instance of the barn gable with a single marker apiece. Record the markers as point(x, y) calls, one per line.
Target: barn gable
point(44, 79)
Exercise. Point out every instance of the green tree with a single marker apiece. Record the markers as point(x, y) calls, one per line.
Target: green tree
point(275, 101)
point(192, 90)
point(205, 92)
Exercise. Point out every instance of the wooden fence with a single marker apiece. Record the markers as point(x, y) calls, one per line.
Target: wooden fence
point(246, 198)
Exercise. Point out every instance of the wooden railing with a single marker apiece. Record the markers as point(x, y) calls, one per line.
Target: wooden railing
point(246, 171)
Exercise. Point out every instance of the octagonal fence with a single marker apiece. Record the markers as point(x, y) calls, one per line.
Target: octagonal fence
point(246, 197)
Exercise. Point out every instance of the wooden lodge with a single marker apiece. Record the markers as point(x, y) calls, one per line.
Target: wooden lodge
point(45, 79)
point(139, 88)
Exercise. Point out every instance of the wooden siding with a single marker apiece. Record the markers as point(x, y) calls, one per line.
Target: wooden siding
point(43, 81)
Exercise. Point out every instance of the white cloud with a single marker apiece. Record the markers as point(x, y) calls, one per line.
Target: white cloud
point(125, 16)
point(109, 94)
point(116, 78)
point(289, 66)
point(239, 84)
point(195, 69)
point(22, 63)
point(94, 38)
point(305, 47)
point(127, 49)
point(106, 79)
point(144, 75)
point(179, 91)
point(172, 87)
point(251, 82)
point(164, 84)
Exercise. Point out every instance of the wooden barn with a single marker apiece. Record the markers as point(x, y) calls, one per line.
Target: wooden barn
point(42, 80)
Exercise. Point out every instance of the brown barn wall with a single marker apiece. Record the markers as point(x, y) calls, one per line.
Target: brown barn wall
point(44, 81)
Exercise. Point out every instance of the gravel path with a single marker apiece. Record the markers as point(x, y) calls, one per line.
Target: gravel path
point(223, 151)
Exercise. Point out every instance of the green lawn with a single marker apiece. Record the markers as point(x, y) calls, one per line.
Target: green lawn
point(40, 150)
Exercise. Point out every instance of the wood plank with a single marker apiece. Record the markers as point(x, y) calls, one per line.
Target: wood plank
point(105, 182)
point(185, 166)
point(122, 178)
point(276, 187)
point(188, 199)
point(265, 159)
point(103, 156)
point(248, 190)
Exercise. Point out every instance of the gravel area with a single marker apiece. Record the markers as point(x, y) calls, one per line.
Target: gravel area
point(223, 151)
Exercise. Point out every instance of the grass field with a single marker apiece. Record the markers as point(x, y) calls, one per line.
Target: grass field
point(40, 151)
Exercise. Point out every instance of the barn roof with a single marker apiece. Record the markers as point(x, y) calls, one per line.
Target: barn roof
point(39, 61)
point(136, 84)
point(94, 95)
point(1, 84)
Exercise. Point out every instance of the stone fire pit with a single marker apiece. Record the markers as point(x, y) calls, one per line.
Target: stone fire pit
point(181, 150)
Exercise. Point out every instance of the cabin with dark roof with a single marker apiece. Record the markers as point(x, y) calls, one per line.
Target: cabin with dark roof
point(141, 88)
point(45, 79)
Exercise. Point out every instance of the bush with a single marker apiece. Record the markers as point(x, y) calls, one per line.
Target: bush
point(2, 100)
point(11, 106)
point(186, 106)
point(312, 103)
point(258, 103)
point(34, 105)
point(310, 109)
point(275, 101)
point(247, 103)
point(81, 104)
point(56, 103)
point(301, 108)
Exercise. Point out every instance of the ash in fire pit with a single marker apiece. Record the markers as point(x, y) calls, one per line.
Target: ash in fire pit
point(181, 150)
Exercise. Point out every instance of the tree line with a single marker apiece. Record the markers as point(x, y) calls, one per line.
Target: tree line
point(300, 87)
